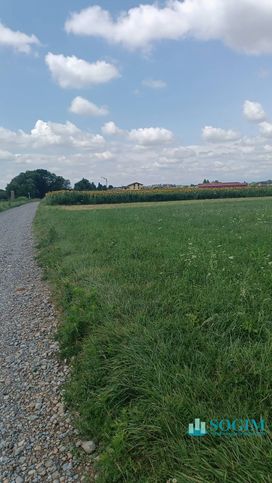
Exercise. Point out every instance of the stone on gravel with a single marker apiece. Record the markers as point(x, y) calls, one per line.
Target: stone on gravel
point(88, 446)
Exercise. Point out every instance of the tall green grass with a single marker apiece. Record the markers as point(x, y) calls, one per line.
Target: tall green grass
point(126, 196)
point(167, 316)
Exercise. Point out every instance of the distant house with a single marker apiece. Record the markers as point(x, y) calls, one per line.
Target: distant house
point(216, 185)
point(134, 186)
point(264, 183)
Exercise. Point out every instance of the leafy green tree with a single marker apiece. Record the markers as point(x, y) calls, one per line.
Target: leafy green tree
point(3, 195)
point(84, 185)
point(101, 187)
point(36, 183)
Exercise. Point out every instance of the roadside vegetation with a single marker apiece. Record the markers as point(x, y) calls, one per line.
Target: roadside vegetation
point(67, 197)
point(6, 204)
point(167, 316)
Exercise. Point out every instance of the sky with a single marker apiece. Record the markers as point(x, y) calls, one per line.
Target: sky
point(156, 92)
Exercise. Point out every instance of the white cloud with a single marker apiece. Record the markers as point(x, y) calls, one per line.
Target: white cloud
point(243, 25)
point(154, 84)
point(74, 153)
point(83, 107)
point(111, 129)
point(17, 40)
point(104, 156)
point(8, 136)
point(266, 129)
point(151, 155)
point(142, 136)
point(218, 135)
point(71, 72)
point(151, 135)
point(4, 155)
point(50, 134)
point(253, 111)
point(179, 152)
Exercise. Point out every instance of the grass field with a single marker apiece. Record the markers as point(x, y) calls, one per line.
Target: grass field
point(5, 205)
point(167, 316)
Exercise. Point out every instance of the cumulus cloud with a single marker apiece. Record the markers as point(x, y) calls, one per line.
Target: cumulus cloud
point(17, 40)
point(154, 84)
point(83, 107)
point(218, 135)
point(142, 136)
point(50, 134)
point(65, 149)
point(111, 129)
point(244, 26)
point(253, 111)
point(151, 155)
point(266, 129)
point(150, 135)
point(72, 72)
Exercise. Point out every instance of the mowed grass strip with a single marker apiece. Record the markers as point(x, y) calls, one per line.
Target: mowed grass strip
point(148, 204)
point(167, 316)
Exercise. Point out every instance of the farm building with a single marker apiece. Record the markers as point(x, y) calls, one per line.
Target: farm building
point(134, 186)
point(233, 184)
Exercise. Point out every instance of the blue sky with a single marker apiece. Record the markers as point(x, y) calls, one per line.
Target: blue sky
point(181, 90)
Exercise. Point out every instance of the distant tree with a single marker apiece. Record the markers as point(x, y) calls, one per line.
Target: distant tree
point(206, 181)
point(101, 187)
point(60, 184)
point(36, 183)
point(3, 195)
point(85, 185)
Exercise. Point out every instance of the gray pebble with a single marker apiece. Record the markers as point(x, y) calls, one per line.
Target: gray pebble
point(88, 446)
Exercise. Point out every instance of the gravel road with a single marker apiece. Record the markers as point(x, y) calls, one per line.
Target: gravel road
point(36, 437)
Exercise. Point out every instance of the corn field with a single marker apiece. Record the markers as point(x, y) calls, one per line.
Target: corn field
point(70, 197)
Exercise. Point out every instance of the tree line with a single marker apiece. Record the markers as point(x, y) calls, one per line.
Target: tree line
point(36, 183)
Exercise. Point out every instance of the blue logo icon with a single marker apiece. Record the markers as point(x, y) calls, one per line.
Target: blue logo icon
point(198, 428)
point(228, 427)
